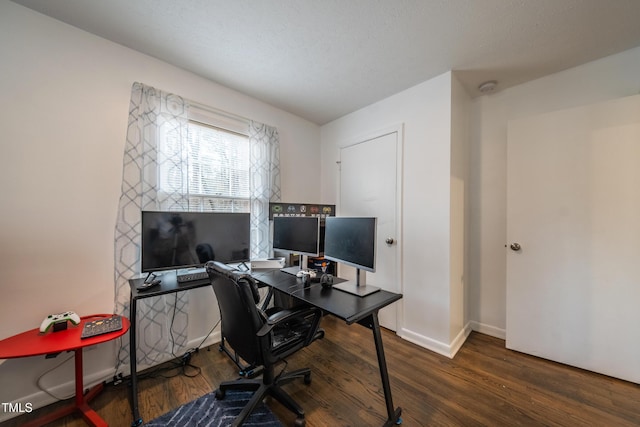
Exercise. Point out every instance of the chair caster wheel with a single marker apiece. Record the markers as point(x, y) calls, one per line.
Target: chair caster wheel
point(299, 422)
point(219, 394)
point(307, 379)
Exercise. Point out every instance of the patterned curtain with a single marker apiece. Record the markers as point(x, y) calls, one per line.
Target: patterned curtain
point(156, 137)
point(265, 184)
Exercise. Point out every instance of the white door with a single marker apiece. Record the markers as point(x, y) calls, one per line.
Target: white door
point(573, 196)
point(370, 185)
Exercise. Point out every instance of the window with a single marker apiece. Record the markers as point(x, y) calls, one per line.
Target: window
point(216, 177)
point(218, 169)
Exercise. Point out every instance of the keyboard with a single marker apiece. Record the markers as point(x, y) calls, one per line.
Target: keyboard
point(101, 326)
point(191, 277)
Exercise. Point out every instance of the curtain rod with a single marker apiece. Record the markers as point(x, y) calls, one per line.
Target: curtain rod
point(219, 111)
point(201, 106)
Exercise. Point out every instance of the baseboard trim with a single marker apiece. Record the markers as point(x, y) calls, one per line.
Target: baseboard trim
point(489, 330)
point(460, 339)
point(448, 350)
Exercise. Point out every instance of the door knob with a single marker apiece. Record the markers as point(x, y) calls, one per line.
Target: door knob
point(389, 241)
point(515, 247)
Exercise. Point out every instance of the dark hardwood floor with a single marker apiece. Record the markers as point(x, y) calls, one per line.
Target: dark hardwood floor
point(484, 385)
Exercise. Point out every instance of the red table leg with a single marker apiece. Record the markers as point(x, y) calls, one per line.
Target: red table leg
point(81, 401)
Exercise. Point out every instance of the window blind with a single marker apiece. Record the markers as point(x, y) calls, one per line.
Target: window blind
point(217, 174)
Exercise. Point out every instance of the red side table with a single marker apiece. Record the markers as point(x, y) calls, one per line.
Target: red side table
point(34, 343)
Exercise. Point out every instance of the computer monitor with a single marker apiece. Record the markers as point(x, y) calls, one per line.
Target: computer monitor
point(175, 240)
point(297, 235)
point(352, 241)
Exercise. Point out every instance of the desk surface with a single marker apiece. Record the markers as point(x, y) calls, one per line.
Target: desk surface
point(34, 343)
point(168, 285)
point(348, 307)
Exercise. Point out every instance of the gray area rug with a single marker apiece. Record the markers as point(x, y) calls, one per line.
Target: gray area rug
point(207, 411)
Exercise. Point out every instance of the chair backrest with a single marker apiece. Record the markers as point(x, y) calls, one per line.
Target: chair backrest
point(237, 295)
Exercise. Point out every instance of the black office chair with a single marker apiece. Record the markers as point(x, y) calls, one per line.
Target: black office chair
point(261, 340)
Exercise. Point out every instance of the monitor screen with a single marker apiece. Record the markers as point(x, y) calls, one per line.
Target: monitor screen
point(297, 234)
point(351, 241)
point(172, 240)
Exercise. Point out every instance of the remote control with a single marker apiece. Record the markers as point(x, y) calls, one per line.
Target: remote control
point(145, 286)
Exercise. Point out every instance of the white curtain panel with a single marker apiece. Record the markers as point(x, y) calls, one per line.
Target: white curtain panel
point(157, 138)
point(264, 185)
point(156, 135)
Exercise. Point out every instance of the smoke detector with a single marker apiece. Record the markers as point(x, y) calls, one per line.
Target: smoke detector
point(488, 86)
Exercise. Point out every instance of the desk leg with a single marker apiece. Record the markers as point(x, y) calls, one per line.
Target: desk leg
point(82, 405)
point(393, 415)
point(81, 401)
point(137, 420)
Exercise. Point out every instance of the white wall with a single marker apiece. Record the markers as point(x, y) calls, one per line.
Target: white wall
point(608, 78)
point(425, 110)
point(63, 118)
point(460, 109)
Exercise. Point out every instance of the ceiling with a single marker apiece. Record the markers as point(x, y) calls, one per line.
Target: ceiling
point(322, 59)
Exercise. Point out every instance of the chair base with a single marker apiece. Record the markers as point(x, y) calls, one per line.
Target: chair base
point(262, 390)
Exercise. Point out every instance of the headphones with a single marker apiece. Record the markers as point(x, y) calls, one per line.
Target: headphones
point(326, 280)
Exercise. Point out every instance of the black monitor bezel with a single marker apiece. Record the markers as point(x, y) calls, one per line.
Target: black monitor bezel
point(149, 269)
point(331, 255)
point(281, 219)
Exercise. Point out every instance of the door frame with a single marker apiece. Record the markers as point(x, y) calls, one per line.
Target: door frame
point(398, 129)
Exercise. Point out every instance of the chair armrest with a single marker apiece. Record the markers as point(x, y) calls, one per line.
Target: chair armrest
point(288, 314)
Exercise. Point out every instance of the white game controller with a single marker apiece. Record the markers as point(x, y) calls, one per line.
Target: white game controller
point(310, 273)
point(61, 317)
point(307, 276)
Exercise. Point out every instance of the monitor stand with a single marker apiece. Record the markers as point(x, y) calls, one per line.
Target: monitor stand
point(356, 287)
point(291, 270)
point(303, 260)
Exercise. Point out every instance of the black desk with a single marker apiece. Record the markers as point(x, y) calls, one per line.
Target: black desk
point(350, 308)
point(168, 285)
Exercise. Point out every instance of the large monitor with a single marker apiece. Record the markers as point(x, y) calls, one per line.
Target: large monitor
point(174, 240)
point(352, 241)
point(297, 235)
